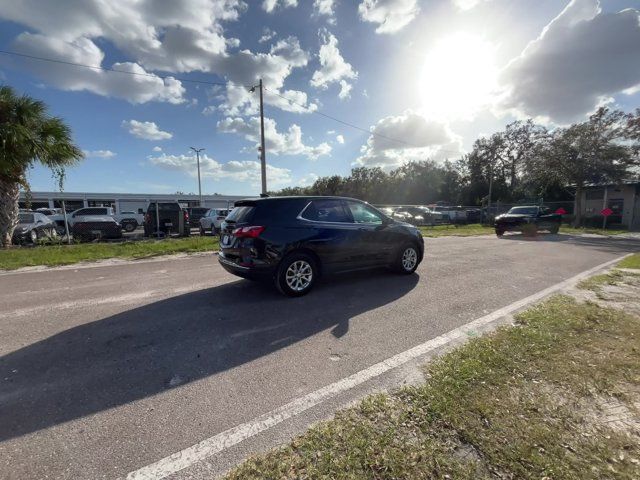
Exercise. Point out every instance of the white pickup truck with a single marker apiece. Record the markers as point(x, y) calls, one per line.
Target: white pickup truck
point(129, 220)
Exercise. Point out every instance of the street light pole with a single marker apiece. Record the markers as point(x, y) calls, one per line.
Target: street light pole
point(263, 159)
point(198, 150)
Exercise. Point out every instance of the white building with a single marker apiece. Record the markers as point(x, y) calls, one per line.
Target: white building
point(122, 202)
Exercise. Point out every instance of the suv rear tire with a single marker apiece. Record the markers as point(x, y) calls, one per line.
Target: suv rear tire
point(296, 275)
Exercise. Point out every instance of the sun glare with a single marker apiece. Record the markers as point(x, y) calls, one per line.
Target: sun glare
point(459, 77)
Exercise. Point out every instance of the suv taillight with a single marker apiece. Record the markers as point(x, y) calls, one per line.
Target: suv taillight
point(248, 232)
point(186, 216)
point(147, 218)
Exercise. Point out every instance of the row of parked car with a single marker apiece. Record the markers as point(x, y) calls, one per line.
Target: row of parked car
point(434, 215)
point(161, 219)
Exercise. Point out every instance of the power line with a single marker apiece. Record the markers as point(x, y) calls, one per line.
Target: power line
point(107, 69)
point(223, 84)
point(368, 131)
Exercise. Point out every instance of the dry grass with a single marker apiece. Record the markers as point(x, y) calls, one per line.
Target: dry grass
point(527, 402)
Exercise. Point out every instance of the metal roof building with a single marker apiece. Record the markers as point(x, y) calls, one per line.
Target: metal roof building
point(122, 202)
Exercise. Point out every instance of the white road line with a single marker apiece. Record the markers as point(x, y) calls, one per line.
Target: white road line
point(224, 440)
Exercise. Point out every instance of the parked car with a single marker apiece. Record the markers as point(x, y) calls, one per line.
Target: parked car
point(446, 213)
point(388, 211)
point(293, 240)
point(49, 211)
point(417, 215)
point(81, 215)
point(195, 214)
point(474, 215)
point(212, 220)
point(458, 215)
point(96, 227)
point(172, 219)
point(528, 219)
point(129, 220)
point(33, 226)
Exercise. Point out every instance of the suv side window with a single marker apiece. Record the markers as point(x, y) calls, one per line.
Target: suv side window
point(362, 213)
point(326, 211)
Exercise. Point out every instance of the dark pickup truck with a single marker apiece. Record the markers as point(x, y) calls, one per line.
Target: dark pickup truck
point(172, 219)
point(527, 220)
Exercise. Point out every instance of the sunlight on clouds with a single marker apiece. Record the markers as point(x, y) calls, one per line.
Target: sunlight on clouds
point(459, 77)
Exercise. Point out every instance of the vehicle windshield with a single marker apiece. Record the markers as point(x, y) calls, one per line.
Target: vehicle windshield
point(524, 210)
point(25, 218)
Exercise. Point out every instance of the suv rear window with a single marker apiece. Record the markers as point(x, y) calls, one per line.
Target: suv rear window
point(199, 211)
point(326, 211)
point(174, 207)
point(241, 214)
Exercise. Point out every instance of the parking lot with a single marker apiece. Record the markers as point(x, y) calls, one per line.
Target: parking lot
point(107, 369)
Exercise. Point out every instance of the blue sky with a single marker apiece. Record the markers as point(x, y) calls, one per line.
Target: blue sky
point(432, 74)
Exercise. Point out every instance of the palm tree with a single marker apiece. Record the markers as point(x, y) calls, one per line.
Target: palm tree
point(28, 135)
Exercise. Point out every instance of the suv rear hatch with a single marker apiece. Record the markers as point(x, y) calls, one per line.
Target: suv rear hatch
point(232, 234)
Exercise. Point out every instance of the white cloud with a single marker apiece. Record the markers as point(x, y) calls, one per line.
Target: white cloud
point(270, 5)
point(138, 87)
point(340, 139)
point(390, 15)
point(306, 180)
point(333, 67)
point(98, 153)
point(157, 149)
point(420, 139)
point(345, 90)
point(145, 130)
point(581, 58)
point(273, 68)
point(183, 36)
point(277, 143)
point(467, 4)
point(325, 8)
point(289, 49)
point(267, 34)
point(240, 171)
point(209, 110)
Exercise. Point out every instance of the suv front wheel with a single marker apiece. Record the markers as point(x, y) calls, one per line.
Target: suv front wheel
point(407, 259)
point(296, 275)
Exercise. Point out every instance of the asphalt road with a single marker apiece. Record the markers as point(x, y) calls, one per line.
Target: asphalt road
point(104, 370)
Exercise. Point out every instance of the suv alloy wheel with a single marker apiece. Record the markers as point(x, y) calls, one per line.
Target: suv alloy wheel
point(297, 275)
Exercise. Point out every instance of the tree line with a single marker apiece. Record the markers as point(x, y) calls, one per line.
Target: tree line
point(525, 160)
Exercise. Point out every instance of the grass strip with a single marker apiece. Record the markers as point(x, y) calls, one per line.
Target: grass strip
point(632, 261)
point(526, 402)
point(456, 230)
point(53, 255)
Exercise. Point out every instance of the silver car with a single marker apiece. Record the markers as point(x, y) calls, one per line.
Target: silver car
point(211, 221)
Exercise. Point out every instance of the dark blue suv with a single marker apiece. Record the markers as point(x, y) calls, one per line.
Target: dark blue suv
point(294, 240)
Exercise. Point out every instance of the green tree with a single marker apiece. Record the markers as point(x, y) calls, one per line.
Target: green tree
point(595, 151)
point(28, 135)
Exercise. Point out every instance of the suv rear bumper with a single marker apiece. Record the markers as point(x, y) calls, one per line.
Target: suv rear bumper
point(252, 272)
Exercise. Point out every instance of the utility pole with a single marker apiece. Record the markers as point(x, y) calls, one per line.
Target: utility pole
point(263, 160)
point(198, 150)
point(490, 191)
